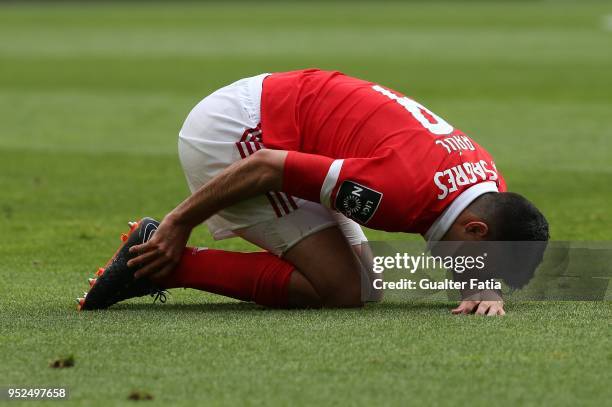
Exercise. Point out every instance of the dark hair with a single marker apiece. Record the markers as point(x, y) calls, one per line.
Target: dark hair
point(512, 218)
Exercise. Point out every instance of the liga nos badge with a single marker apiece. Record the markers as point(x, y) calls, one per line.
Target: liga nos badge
point(357, 202)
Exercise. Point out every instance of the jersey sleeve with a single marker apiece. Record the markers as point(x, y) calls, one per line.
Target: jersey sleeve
point(304, 174)
point(360, 188)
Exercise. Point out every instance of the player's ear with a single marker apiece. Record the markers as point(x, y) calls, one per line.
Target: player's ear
point(477, 228)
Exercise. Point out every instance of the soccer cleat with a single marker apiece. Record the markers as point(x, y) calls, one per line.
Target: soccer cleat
point(115, 282)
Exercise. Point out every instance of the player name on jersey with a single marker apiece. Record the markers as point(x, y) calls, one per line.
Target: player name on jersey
point(468, 173)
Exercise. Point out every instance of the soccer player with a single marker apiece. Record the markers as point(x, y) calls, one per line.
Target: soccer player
point(294, 162)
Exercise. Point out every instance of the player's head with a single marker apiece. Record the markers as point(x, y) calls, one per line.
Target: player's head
point(504, 216)
point(511, 218)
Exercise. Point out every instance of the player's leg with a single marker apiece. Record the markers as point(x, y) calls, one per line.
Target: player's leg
point(320, 271)
point(359, 242)
point(318, 268)
point(327, 270)
point(331, 267)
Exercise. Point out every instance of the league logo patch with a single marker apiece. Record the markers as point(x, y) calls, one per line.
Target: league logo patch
point(357, 202)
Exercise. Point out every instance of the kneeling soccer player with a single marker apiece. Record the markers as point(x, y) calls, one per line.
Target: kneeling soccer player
point(293, 162)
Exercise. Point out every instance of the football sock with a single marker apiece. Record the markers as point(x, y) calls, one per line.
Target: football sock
point(260, 277)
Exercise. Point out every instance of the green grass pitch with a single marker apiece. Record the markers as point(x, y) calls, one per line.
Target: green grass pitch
point(91, 100)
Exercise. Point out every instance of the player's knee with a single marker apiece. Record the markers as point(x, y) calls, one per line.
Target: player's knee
point(344, 295)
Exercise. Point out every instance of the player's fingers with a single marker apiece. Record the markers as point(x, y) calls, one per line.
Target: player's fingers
point(151, 268)
point(462, 309)
point(482, 309)
point(466, 307)
point(501, 312)
point(493, 310)
point(141, 248)
point(144, 258)
point(458, 309)
point(470, 307)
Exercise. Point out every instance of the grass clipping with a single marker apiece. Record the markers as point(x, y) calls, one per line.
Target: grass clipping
point(140, 395)
point(61, 363)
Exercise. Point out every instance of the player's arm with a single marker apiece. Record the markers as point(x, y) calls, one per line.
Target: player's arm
point(309, 176)
point(255, 175)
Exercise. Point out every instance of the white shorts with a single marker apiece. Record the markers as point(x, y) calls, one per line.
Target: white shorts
point(225, 127)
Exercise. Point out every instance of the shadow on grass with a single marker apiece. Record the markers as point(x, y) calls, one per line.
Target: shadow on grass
point(203, 307)
point(250, 307)
point(416, 308)
point(411, 306)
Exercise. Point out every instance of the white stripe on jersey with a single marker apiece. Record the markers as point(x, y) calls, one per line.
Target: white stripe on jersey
point(330, 182)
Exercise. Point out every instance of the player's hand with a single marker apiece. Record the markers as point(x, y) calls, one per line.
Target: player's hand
point(162, 253)
point(490, 308)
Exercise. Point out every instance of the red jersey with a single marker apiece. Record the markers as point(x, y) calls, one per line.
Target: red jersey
point(373, 154)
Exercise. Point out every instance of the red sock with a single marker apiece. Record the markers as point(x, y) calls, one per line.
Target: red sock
point(260, 277)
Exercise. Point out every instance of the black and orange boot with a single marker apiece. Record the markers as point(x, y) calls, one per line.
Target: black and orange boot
point(115, 281)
